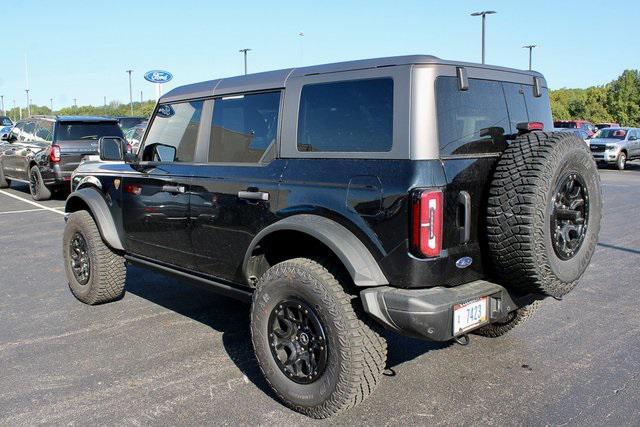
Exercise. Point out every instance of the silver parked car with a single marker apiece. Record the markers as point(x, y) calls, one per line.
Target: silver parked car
point(616, 146)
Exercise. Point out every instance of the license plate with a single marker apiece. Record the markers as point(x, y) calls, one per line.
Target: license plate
point(469, 315)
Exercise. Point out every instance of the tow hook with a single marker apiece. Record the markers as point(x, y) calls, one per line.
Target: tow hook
point(462, 339)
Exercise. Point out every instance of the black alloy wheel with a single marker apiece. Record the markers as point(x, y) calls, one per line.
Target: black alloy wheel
point(297, 340)
point(34, 182)
point(570, 215)
point(79, 259)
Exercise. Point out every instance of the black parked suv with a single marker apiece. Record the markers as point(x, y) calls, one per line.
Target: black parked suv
point(43, 151)
point(412, 193)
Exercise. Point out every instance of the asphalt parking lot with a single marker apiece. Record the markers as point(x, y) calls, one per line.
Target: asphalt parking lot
point(171, 353)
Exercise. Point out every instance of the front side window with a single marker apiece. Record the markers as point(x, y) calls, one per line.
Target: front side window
point(174, 129)
point(6, 121)
point(44, 131)
point(346, 116)
point(473, 121)
point(243, 127)
point(76, 130)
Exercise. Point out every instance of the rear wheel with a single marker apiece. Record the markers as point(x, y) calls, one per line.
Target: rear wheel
point(311, 340)
point(95, 273)
point(543, 214)
point(621, 163)
point(37, 188)
point(4, 182)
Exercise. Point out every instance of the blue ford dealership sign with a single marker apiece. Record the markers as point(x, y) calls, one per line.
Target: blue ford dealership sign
point(158, 76)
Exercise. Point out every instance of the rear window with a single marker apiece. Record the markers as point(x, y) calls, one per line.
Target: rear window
point(346, 116)
point(565, 125)
point(74, 131)
point(474, 121)
point(538, 108)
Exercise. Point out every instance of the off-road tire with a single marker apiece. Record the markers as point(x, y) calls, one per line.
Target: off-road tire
point(621, 161)
point(519, 211)
point(515, 318)
point(357, 350)
point(4, 182)
point(37, 188)
point(107, 272)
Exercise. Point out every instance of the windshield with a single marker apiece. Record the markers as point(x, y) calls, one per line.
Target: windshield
point(127, 123)
point(5, 121)
point(73, 131)
point(565, 125)
point(612, 133)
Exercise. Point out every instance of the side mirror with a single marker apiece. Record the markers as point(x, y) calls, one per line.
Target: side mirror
point(111, 148)
point(632, 138)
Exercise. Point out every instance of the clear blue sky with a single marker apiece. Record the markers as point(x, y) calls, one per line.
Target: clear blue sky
point(81, 49)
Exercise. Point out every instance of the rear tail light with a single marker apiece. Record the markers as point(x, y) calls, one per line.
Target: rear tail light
point(54, 153)
point(525, 127)
point(136, 190)
point(129, 148)
point(426, 223)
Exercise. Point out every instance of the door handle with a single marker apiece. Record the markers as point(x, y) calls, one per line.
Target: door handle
point(464, 200)
point(173, 189)
point(253, 195)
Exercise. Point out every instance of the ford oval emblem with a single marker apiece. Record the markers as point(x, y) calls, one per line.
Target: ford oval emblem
point(464, 262)
point(158, 76)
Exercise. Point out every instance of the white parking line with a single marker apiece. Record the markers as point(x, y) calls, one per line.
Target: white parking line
point(31, 202)
point(22, 211)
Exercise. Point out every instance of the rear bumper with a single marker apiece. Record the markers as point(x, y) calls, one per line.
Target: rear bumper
point(428, 313)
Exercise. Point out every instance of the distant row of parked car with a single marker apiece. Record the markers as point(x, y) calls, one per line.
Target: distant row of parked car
point(43, 151)
point(610, 144)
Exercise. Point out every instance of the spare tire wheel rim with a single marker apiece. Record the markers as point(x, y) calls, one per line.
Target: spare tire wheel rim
point(569, 216)
point(79, 258)
point(297, 341)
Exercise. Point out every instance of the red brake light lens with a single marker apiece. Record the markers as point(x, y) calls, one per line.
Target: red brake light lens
point(530, 126)
point(426, 223)
point(54, 153)
point(136, 190)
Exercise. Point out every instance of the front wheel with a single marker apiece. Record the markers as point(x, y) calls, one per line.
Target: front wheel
point(621, 163)
point(311, 341)
point(95, 273)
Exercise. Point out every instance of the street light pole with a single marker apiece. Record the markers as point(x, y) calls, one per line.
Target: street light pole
point(2, 101)
point(130, 91)
point(484, 14)
point(301, 35)
point(51, 103)
point(28, 106)
point(75, 103)
point(530, 47)
point(245, 58)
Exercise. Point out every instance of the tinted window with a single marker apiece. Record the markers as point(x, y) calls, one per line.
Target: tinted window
point(29, 131)
point(176, 125)
point(243, 127)
point(514, 94)
point(539, 108)
point(346, 116)
point(127, 123)
point(75, 131)
point(565, 125)
point(473, 121)
point(17, 131)
point(5, 121)
point(44, 131)
point(612, 133)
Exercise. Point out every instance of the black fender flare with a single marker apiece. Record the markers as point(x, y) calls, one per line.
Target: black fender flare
point(100, 212)
point(355, 256)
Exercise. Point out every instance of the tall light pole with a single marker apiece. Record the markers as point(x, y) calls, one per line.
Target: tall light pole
point(301, 36)
point(28, 103)
point(51, 102)
point(140, 99)
point(2, 101)
point(245, 58)
point(130, 92)
point(484, 14)
point(530, 47)
point(75, 103)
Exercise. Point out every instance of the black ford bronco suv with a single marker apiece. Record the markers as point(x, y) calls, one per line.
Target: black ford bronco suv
point(413, 193)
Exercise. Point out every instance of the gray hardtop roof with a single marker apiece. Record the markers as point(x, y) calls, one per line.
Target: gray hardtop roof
point(73, 118)
point(277, 79)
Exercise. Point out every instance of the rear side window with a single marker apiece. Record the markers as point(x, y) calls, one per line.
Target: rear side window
point(76, 131)
point(539, 108)
point(243, 127)
point(175, 127)
point(347, 116)
point(44, 131)
point(474, 121)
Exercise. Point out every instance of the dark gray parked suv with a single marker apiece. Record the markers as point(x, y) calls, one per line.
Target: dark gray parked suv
point(43, 151)
point(410, 193)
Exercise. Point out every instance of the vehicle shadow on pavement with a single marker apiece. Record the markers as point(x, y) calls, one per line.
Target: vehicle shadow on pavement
point(231, 318)
point(24, 188)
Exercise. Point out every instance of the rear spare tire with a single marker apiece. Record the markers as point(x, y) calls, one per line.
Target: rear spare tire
point(543, 213)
